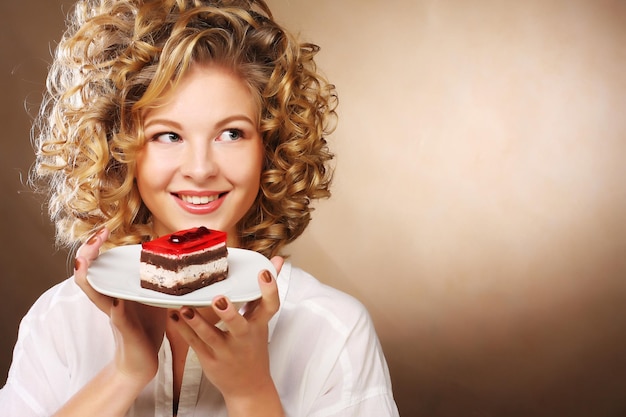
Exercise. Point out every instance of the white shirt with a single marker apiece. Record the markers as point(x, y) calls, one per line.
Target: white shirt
point(325, 357)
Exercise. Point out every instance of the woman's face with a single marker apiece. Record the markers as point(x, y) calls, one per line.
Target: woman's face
point(202, 161)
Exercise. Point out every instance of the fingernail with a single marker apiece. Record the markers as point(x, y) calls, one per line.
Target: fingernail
point(221, 304)
point(266, 276)
point(174, 316)
point(94, 237)
point(76, 264)
point(188, 313)
point(115, 302)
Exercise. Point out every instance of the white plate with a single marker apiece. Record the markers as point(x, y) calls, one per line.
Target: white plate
point(116, 273)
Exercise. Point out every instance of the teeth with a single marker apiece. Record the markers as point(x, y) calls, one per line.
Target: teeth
point(195, 199)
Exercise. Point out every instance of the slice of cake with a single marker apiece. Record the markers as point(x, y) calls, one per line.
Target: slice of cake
point(185, 261)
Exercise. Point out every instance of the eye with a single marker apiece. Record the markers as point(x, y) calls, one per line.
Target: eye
point(166, 137)
point(230, 135)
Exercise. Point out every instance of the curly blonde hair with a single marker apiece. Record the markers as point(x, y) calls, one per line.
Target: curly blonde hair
point(117, 58)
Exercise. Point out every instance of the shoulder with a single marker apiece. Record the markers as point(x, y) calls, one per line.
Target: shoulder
point(306, 296)
point(304, 287)
point(59, 347)
point(325, 342)
point(55, 327)
point(64, 294)
point(64, 305)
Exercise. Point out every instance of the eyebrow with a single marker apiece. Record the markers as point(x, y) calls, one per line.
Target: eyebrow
point(236, 118)
point(221, 123)
point(167, 122)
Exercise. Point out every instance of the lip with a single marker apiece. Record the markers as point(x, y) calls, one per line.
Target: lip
point(199, 208)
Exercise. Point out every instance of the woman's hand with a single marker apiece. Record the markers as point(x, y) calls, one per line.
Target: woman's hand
point(236, 361)
point(138, 329)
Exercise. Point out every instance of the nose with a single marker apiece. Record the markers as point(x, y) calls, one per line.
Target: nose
point(198, 161)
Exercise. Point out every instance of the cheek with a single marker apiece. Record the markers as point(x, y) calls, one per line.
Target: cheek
point(250, 178)
point(257, 168)
point(149, 174)
point(246, 170)
point(140, 171)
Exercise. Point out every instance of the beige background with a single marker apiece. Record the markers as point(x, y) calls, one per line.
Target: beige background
point(479, 208)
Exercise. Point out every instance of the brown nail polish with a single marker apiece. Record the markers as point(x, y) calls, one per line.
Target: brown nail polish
point(174, 316)
point(267, 277)
point(221, 304)
point(94, 237)
point(188, 313)
point(76, 264)
point(115, 302)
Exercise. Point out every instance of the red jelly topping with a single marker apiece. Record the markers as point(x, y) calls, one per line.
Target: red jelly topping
point(185, 241)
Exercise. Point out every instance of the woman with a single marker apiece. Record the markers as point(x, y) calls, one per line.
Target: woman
point(166, 115)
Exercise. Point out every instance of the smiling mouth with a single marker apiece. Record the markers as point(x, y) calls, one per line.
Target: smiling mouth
point(199, 200)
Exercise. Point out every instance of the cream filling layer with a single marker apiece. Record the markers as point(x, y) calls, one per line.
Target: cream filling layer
point(188, 274)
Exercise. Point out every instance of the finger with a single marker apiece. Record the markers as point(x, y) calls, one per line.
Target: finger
point(250, 306)
point(101, 301)
point(269, 298)
point(197, 332)
point(230, 316)
point(91, 248)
